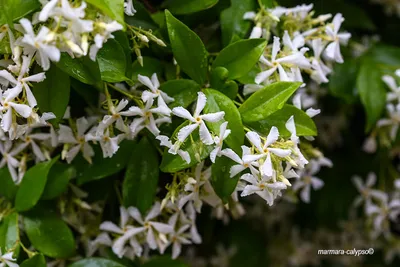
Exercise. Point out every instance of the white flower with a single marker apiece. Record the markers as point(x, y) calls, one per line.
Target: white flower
point(101, 240)
point(265, 150)
point(67, 136)
point(320, 70)
point(8, 106)
point(382, 214)
point(8, 154)
point(297, 59)
point(162, 98)
point(39, 43)
point(219, 141)
point(366, 191)
point(129, 8)
point(393, 122)
point(47, 10)
point(308, 180)
point(256, 32)
point(164, 141)
point(197, 120)
point(262, 185)
point(333, 49)
point(178, 236)
point(74, 17)
point(7, 260)
point(303, 100)
point(150, 226)
point(101, 38)
point(242, 164)
point(109, 145)
point(395, 89)
point(126, 231)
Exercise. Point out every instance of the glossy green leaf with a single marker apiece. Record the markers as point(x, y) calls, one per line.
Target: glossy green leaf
point(12, 10)
point(267, 100)
point(141, 18)
point(150, 66)
point(112, 62)
point(52, 94)
point(96, 262)
point(232, 22)
point(385, 54)
point(112, 8)
point(305, 126)
point(123, 39)
point(102, 167)
point(372, 91)
point(216, 101)
point(9, 232)
point(164, 261)
point(240, 57)
point(221, 181)
point(250, 77)
point(188, 49)
point(82, 69)
point(49, 234)
point(219, 81)
point(189, 6)
point(342, 82)
point(141, 177)
point(8, 188)
point(183, 91)
point(196, 149)
point(32, 185)
point(57, 180)
point(36, 261)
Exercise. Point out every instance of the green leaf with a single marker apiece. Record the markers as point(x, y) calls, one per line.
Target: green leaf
point(183, 91)
point(95, 262)
point(267, 100)
point(219, 81)
point(342, 82)
point(188, 49)
point(102, 167)
point(372, 91)
point(196, 149)
point(232, 22)
point(122, 39)
point(150, 66)
point(12, 10)
point(36, 261)
point(385, 54)
point(221, 181)
point(250, 77)
point(216, 102)
point(8, 188)
point(305, 126)
point(141, 18)
point(9, 231)
point(164, 261)
point(189, 6)
point(141, 177)
point(57, 180)
point(112, 8)
point(49, 234)
point(240, 57)
point(112, 62)
point(52, 94)
point(82, 69)
point(32, 185)
point(266, 3)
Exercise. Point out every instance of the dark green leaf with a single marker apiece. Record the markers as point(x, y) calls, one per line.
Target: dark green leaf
point(112, 62)
point(216, 102)
point(82, 69)
point(189, 6)
point(385, 55)
point(112, 8)
point(8, 188)
point(57, 180)
point(122, 38)
point(183, 91)
point(102, 167)
point(304, 124)
point(52, 94)
point(266, 101)
point(36, 261)
point(164, 261)
point(9, 232)
point(240, 57)
point(342, 82)
point(196, 149)
point(372, 91)
point(250, 77)
point(232, 22)
point(141, 18)
point(49, 234)
point(150, 66)
point(188, 49)
point(32, 185)
point(96, 262)
point(141, 177)
point(219, 81)
point(221, 181)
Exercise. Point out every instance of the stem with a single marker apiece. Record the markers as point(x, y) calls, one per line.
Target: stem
point(30, 253)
